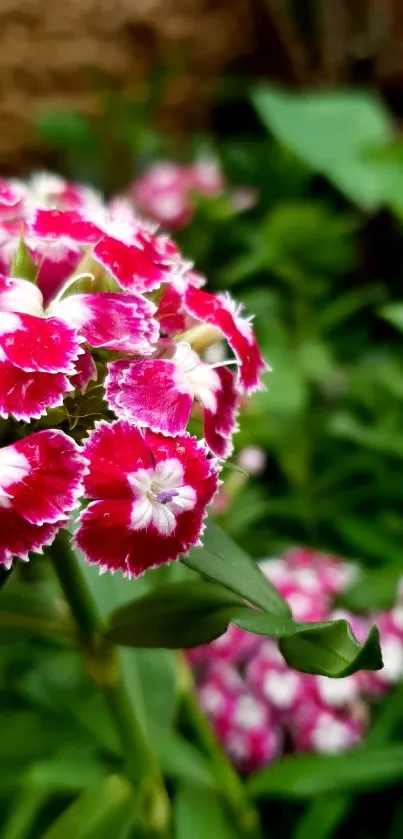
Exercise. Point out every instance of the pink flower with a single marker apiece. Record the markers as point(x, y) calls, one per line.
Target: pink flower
point(47, 190)
point(221, 312)
point(150, 495)
point(10, 198)
point(327, 732)
point(164, 191)
point(40, 483)
point(300, 587)
point(159, 393)
point(391, 635)
point(253, 460)
point(205, 177)
point(171, 313)
point(242, 722)
point(40, 346)
point(270, 679)
point(167, 192)
point(256, 702)
point(162, 194)
point(333, 574)
point(55, 260)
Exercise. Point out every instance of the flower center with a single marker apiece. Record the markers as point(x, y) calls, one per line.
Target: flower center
point(160, 497)
point(201, 380)
point(166, 496)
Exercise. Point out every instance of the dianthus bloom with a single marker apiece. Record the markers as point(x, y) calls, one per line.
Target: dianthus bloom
point(103, 333)
point(150, 495)
point(167, 192)
point(258, 706)
point(40, 484)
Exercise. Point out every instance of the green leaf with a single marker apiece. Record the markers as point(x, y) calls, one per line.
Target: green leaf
point(23, 266)
point(330, 132)
point(199, 814)
point(332, 649)
point(187, 614)
point(181, 760)
point(346, 426)
point(174, 616)
point(156, 671)
point(393, 313)
point(221, 560)
point(32, 609)
point(388, 719)
point(368, 538)
point(305, 776)
point(323, 817)
point(26, 806)
point(97, 814)
point(56, 775)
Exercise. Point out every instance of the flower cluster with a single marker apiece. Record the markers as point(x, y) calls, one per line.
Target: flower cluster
point(259, 707)
point(97, 308)
point(166, 192)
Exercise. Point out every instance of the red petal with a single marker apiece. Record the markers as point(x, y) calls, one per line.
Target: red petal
point(18, 538)
point(114, 450)
point(170, 312)
point(221, 425)
point(51, 488)
point(86, 371)
point(53, 224)
point(136, 268)
point(104, 534)
point(44, 344)
point(105, 538)
point(220, 311)
point(28, 396)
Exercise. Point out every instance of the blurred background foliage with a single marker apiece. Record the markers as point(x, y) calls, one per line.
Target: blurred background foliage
point(319, 258)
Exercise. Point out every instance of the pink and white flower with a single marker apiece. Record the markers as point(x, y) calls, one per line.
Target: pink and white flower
point(10, 198)
point(149, 493)
point(159, 393)
point(167, 192)
point(40, 484)
point(40, 345)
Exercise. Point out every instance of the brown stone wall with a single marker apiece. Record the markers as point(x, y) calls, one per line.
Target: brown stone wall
point(54, 53)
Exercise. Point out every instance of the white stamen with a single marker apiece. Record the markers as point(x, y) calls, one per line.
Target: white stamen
point(151, 487)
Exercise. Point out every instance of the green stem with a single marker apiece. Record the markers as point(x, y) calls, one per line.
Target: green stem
point(226, 776)
point(104, 667)
point(81, 603)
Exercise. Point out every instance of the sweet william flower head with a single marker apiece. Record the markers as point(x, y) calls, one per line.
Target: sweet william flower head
point(168, 192)
point(149, 493)
point(40, 484)
point(304, 712)
point(101, 291)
